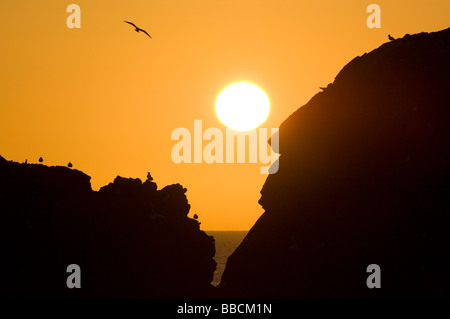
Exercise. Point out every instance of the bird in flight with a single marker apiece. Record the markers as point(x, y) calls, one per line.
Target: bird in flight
point(391, 38)
point(138, 29)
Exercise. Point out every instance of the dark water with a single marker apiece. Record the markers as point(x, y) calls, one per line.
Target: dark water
point(226, 243)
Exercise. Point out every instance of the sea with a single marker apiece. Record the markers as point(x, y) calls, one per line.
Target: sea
point(226, 243)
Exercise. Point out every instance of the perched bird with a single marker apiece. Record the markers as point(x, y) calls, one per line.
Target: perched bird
point(391, 38)
point(41, 159)
point(195, 216)
point(328, 86)
point(138, 29)
point(70, 164)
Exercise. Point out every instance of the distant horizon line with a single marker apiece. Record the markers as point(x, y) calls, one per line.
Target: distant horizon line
point(225, 230)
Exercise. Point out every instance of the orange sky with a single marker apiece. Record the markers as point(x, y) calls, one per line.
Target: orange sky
point(107, 98)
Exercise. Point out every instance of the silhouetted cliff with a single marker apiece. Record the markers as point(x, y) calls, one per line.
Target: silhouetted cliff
point(364, 178)
point(130, 239)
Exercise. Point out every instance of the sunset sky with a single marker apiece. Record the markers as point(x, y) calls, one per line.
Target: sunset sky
point(107, 98)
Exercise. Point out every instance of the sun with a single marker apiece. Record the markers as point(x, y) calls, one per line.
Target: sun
point(242, 106)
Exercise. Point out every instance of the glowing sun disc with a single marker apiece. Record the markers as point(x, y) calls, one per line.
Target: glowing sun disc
point(242, 106)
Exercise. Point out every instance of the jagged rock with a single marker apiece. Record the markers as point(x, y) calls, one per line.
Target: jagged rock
point(120, 236)
point(174, 200)
point(123, 187)
point(149, 186)
point(363, 179)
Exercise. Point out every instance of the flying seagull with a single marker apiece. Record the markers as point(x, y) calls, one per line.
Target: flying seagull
point(138, 29)
point(391, 38)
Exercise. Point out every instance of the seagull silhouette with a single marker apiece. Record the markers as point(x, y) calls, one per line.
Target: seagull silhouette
point(391, 38)
point(138, 29)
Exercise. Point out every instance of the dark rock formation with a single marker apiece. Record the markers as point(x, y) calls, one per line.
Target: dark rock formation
point(364, 178)
point(130, 240)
